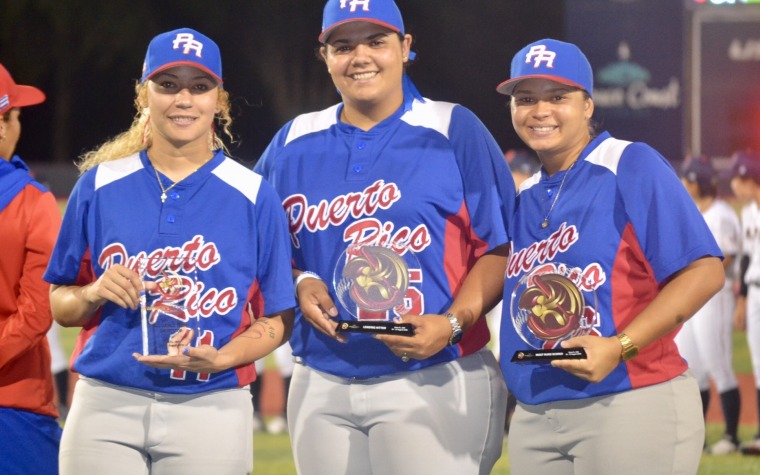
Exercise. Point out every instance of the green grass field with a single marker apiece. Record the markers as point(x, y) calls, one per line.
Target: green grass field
point(272, 457)
point(272, 454)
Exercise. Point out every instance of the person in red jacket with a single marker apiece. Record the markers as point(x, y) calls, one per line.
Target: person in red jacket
point(29, 220)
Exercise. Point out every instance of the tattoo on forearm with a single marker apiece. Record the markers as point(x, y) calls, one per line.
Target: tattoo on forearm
point(261, 327)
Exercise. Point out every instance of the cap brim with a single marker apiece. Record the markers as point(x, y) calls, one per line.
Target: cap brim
point(325, 34)
point(26, 96)
point(185, 63)
point(508, 86)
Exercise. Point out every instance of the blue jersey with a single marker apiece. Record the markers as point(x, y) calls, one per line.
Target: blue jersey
point(224, 218)
point(430, 175)
point(622, 225)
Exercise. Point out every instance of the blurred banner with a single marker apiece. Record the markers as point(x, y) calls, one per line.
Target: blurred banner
point(636, 48)
point(726, 75)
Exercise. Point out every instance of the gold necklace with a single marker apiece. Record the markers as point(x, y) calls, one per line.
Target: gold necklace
point(545, 222)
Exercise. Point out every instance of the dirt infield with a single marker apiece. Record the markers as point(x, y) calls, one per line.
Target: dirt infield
point(748, 414)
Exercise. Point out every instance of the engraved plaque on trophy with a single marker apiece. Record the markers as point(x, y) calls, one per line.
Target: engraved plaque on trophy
point(552, 303)
point(375, 284)
point(169, 324)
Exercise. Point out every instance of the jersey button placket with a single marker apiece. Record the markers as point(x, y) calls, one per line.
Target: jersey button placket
point(171, 214)
point(358, 164)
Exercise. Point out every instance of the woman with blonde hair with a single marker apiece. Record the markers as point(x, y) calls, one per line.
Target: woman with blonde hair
point(162, 213)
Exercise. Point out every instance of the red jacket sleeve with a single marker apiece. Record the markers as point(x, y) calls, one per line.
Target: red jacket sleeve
point(30, 321)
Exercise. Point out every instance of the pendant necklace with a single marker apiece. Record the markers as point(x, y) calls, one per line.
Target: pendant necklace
point(164, 190)
point(545, 222)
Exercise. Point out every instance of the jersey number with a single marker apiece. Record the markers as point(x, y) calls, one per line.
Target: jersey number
point(207, 338)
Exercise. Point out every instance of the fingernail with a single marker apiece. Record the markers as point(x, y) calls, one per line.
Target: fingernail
point(186, 351)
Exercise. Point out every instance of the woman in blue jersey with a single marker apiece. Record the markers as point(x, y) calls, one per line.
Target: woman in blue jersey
point(610, 257)
point(161, 212)
point(398, 209)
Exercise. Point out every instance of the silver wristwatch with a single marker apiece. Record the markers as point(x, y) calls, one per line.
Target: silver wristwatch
point(456, 329)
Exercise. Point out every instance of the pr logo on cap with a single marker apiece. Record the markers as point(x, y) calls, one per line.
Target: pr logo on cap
point(182, 47)
point(380, 12)
point(355, 3)
point(190, 44)
point(550, 59)
point(539, 54)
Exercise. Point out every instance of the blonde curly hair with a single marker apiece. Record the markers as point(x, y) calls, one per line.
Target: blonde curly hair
point(138, 137)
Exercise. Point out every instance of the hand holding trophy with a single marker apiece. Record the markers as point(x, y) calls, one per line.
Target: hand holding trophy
point(375, 283)
point(168, 323)
point(550, 305)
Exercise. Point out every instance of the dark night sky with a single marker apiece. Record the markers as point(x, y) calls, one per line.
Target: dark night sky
point(464, 48)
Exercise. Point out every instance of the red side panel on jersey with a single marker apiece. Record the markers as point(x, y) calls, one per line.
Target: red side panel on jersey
point(461, 249)
point(86, 276)
point(633, 288)
point(255, 309)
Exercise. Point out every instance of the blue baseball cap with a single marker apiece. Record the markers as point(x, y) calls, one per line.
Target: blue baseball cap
point(699, 170)
point(550, 59)
point(182, 47)
point(380, 12)
point(745, 164)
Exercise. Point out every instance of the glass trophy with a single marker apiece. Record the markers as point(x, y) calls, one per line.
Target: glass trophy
point(552, 303)
point(169, 324)
point(374, 284)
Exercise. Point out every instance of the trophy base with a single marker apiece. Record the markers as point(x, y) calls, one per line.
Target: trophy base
point(546, 356)
point(381, 327)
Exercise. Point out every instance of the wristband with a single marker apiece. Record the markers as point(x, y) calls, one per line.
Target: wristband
point(304, 275)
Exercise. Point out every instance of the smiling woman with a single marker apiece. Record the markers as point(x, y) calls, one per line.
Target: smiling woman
point(192, 216)
point(610, 287)
point(366, 63)
point(390, 195)
point(173, 93)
